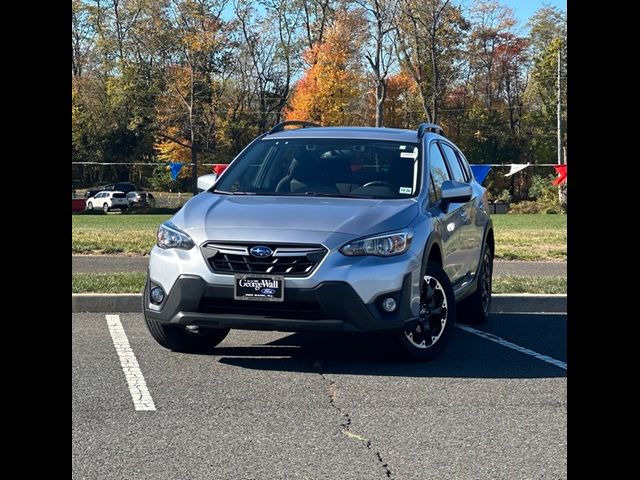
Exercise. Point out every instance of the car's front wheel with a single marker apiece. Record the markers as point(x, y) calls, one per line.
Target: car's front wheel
point(184, 338)
point(90, 206)
point(105, 208)
point(426, 337)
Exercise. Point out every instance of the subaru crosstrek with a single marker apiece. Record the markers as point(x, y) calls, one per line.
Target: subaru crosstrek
point(327, 228)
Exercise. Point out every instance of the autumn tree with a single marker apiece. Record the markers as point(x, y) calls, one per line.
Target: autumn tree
point(430, 36)
point(379, 49)
point(318, 16)
point(547, 39)
point(272, 53)
point(402, 108)
point(331, 91)
point(196, 51)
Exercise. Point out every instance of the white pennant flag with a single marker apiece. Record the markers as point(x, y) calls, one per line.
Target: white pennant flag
point(516, 167)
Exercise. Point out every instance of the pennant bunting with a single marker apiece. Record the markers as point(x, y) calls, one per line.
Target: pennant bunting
point(516, 167)
point(175, 170)
point(562, 174)
point(218, 168)
point(480, 172)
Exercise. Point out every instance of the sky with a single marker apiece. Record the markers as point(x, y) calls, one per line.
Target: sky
point(523, 9)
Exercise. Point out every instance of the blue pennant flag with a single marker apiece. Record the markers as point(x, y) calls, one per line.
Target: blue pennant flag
point(175, 170)
point(480, 172)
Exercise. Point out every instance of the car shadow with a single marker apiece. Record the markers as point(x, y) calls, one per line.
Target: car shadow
point(466, 356)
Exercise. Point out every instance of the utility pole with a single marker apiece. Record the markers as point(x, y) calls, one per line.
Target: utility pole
point(562, 189)
point(559, 113)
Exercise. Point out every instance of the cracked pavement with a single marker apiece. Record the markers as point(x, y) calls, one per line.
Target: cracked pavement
point(269, 405)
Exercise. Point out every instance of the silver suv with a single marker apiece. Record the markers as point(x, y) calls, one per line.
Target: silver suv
point(327, 228)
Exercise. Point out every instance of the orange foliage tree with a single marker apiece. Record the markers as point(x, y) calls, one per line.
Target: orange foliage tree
point(331, 90)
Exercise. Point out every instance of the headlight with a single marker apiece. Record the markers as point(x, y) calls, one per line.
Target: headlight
point(382, 245)
point(170, 236)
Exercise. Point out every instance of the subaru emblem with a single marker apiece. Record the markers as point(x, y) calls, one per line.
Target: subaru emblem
point(261, 251)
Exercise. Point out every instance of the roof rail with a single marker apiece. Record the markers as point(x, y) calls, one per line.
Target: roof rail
point(429, 127)
point(280, 127)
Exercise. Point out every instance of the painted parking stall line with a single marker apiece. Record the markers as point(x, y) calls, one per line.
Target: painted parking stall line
point(518, 348)
point(137, 386)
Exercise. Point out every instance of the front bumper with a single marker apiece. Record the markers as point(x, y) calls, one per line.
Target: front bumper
point(329, 306)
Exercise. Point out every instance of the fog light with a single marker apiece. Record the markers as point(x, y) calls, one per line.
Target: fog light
point(389, 304)
point(157, 295)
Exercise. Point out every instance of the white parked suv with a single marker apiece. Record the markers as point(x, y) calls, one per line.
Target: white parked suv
point(107, 201)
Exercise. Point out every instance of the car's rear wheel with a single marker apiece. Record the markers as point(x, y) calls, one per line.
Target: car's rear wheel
point(181, 338)
point(475, 309)
point(426, 338)
point(105, 208)
point(90, 206)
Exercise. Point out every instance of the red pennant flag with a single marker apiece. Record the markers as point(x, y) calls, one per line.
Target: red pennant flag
point(218, 168)
point(562, 174)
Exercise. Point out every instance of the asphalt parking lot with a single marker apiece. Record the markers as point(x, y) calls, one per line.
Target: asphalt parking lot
point(269, 405)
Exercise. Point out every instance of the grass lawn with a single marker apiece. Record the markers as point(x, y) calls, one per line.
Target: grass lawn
point(134, 283)
point(531, 237)
point(114, 233)
point(518, 237)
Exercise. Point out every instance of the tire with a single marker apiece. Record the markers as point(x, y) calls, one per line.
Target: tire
point(105, 208)
point(90, 206)
point(179, 338)
point(437, 318)
point(475, 309)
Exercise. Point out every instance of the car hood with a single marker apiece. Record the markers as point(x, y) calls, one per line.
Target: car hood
point(351, 216)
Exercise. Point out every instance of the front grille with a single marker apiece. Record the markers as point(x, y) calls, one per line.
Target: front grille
point(287, 259)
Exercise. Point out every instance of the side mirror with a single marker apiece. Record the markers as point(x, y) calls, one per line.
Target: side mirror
point(205, 182)
point(456, 192)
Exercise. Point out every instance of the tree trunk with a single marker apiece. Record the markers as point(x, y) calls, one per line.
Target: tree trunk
point(381, 95)
point(194, 165)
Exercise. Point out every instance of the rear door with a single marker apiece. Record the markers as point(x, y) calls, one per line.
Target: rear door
point(447, 218)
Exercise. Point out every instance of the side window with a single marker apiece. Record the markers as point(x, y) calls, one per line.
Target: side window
point(454, 164)
point(439, 172)
point(465, 165)
point(432, 192)
point(99, 195)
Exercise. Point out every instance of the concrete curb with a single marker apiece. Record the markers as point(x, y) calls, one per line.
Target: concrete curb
point(501, 303)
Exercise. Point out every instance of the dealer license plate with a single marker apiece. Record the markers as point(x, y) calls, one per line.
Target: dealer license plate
point(264, 288)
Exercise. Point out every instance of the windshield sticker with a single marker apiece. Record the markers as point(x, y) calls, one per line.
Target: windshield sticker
point(403, 147)
point(406, 190)
point(409, 155)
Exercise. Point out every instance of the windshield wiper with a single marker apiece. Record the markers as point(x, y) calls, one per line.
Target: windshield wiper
point(336, 195)
point(224, 192)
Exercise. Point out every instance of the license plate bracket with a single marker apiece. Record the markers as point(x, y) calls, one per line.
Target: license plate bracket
point(258, 288)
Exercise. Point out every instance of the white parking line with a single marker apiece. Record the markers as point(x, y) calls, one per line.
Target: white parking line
point(137, 386)
point(505, 343)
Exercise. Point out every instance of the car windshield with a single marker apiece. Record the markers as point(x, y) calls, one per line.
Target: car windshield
point(325, 167)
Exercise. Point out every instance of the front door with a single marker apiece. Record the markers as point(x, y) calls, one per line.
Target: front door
point(448, 217)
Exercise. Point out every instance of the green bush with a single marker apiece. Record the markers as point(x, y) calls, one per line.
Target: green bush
point(543, 193)
point(528, 206)
point(161, 181)
point(503, 197)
